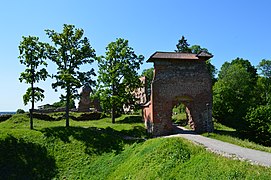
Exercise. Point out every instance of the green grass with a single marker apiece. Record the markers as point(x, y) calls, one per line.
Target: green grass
point(230, 135)
point(101, 150)
point(223, 133)
point(179, 119)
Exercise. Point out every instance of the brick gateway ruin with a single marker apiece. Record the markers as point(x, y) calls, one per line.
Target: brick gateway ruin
point(179, 78)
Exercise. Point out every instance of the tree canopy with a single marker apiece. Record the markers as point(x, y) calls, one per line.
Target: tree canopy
point(233, 92)
point(265, 68)
point(197, 49)
point(264, 82)
point(148, 73)
point(118, 76)
point(183, 46)
point(70, 51)
point(32, 55)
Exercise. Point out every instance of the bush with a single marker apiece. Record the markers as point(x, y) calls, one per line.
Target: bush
point(20, 111)
point(5, 117)
point(87, 116)
point(45, 117)
point(259, 124)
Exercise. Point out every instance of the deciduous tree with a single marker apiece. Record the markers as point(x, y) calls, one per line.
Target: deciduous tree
point(184, 47)
point(265, 68)
point(118, 76)
point(265, 81)
point(32, 55)
point(233, 92)
point(259, 128)
point(211, 68)
point(148, 73)
point(197, 49)
point(70, 51)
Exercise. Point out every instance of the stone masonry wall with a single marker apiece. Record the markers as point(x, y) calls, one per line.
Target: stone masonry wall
point(186, 81)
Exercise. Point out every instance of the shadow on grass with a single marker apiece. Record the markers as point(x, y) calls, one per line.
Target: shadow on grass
point(130, 120)
point(137, 132)
point(96, 140)
point(25, 160)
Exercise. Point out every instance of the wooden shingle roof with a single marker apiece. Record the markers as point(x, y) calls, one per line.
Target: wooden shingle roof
point(179, 56)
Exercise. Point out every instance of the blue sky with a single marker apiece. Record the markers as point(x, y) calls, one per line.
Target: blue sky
point(227, 28)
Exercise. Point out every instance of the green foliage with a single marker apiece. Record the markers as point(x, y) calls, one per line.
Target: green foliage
point(262, 95)
point(71, 50)
point(180, 108)
point(180, 119)
point(38, 95)
point(212, 70)
point(233, 93)
point(46, 117)
point(264, 82)
point(118, 77)
point(242, 62)
point(183, 46)
point(259, 120)
point(33, 54)
point(265, 68)
point(5, 117)
point(20, 111)
point(197, 49)
point(148, 73)
point(179, 115)
point(62, 103)
point(88, 116)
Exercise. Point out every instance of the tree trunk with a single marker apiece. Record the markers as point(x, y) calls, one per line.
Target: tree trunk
point(32, 98)
point(67, 106)
point(113, 113)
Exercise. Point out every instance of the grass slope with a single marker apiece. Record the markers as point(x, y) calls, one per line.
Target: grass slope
point(223, 133)
point(230, 135)
point(101, 150)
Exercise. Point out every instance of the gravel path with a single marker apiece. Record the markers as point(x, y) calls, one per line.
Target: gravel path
point(227, 149)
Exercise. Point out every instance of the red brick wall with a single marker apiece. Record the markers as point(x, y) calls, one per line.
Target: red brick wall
point(175, 81)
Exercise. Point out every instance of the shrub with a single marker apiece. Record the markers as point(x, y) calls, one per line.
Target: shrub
point(87, 116)
point(20, 111)
point(44, 117)
point(5, 117)
point(259, 124)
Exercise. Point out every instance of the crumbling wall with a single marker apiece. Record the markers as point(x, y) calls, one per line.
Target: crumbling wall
point(175, 81)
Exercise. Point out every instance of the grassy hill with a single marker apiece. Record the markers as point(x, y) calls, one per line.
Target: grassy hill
point(100, 150)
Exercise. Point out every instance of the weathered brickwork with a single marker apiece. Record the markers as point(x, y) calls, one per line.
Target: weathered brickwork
point(179, 77)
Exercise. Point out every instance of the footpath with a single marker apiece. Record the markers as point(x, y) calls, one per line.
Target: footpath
point(226, 149)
